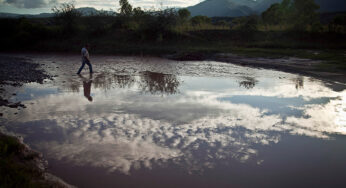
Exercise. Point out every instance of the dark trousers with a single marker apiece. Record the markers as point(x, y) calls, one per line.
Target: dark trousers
point(83, 64)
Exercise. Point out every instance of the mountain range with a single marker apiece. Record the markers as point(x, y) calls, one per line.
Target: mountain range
point(85, 11)
point(215, 8)
point(235, 8)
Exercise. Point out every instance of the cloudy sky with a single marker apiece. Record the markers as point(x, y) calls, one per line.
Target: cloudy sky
point(39, 6)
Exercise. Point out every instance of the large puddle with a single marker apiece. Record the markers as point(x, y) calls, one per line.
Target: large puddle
point(152, 122)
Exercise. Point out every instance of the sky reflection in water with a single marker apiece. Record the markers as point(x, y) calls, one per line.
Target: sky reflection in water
point(137, 120)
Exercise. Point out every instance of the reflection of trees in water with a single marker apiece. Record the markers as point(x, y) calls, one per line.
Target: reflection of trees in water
point(103, 81)
point(299, 82)
point(151, 82)
point(248, 83)
point(107, 81)
point(124, 81)
point(70, 86)
point(158, 83)
point(74, 87)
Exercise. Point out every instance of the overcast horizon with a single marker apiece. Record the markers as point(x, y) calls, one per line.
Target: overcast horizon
point(44, 6)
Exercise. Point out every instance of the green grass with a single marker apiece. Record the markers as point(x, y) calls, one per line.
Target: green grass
point(15, 168)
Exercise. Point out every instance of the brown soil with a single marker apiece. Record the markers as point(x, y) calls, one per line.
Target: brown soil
point(16, 71)
point(292, 65)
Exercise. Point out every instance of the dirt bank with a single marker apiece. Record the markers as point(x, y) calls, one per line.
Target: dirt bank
point(293, 65)
point(305, 67)
point(16, 71)
point(20, 166)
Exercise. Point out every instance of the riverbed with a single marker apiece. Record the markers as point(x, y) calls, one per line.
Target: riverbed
point(153, 122)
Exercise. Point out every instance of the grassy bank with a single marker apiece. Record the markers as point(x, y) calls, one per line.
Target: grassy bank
point(332, 54)
point(16, 167)
point(167, 32)
point(19, 166)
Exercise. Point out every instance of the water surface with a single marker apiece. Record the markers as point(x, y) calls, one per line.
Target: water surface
point(152, 122)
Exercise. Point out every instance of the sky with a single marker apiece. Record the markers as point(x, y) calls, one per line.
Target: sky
point(40, 6)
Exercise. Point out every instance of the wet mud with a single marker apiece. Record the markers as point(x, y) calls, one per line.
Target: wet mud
point(305, 67)
point(187, 123)
point(15, 72)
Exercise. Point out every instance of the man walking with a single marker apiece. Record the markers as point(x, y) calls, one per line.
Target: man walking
point(85, 59)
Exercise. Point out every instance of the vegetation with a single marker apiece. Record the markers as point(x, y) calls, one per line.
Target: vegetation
point(299, 14)
point(292, 24)
point(66, 15)
point(16, 169)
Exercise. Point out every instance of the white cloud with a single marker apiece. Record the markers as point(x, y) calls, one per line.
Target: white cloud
point(146, 4)
point(111, 134)
point(124, 129)
point(30, 3)
point(39, 6)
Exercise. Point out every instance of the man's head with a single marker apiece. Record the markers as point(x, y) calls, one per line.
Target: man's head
point(86, 46)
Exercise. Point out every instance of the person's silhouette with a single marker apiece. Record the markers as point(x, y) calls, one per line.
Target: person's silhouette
point(85, 59)
point(87, 87)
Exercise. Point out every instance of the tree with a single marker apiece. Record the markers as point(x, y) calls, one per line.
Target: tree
point(305, 13)
point(338, 24)
point(222, 23)
point(273, 15)
point(125, 8)
point(286, 8)
point(199, 20)
point(165, 20)
point(184, 15)
point(278, 14)
point(138, 12)
point(249, 25)
point(66, 15)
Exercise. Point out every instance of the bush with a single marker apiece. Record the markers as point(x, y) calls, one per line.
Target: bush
point(66, 15)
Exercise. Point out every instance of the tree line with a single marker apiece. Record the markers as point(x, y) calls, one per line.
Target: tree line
point(133, 25)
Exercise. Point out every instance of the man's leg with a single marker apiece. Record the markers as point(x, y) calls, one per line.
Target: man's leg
point(81, 68)
point(90, 67)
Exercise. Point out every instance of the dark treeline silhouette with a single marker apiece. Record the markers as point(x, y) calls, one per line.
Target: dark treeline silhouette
point(158, 83)
point(146, 82)
point(290, 24)
point(248, 83)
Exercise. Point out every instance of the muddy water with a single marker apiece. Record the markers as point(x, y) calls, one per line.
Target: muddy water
point(149, 122)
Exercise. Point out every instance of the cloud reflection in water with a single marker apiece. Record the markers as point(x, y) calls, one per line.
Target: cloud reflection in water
point(130, 126)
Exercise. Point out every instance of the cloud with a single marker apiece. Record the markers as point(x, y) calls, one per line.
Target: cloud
point(146, 4)
point(124, 129)
point(136, 131)
point(31, 3)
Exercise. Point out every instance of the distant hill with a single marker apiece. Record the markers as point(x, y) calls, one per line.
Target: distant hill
point(265, 4)
point(331, 5)
point(224, 8)
point(214, 8)
point(86, 11)
point(11, 15)
point(235, 8)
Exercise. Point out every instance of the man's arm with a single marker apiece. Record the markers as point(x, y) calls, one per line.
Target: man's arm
point(87, 56)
